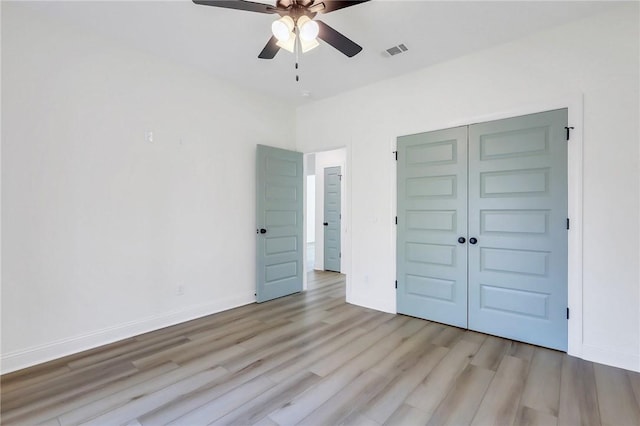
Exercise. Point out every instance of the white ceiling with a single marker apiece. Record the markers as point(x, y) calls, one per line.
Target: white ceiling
point(226, 42)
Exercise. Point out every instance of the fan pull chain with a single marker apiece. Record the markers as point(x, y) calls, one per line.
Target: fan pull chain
point(296, 48)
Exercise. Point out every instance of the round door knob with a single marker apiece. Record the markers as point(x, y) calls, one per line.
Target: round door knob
point(263, 231)
point(473, 240)
point(462, 240)
point(326, 223)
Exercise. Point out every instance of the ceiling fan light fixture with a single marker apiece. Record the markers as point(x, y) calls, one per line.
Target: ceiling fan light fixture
point(288, 44)
point(307, 45)
point(282, 29)
point(295, 25)
point(307, 28)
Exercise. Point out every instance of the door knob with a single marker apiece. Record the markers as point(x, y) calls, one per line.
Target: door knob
point(462, 240)
point(263, 231)
point(326, 223)
point(473, 240)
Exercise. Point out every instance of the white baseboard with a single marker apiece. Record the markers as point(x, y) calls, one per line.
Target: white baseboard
point(370, 303)
point(625, 360)
point(49, 351)
point(28, 357)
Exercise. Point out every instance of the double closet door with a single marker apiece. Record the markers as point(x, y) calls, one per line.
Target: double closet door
point(482, 227)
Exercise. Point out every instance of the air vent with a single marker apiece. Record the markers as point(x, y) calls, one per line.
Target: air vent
point(396, 50)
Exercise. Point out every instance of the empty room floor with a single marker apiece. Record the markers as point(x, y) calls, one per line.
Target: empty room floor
point(313, 359)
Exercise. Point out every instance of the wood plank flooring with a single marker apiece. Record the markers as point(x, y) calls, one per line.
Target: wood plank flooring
point(312, 359)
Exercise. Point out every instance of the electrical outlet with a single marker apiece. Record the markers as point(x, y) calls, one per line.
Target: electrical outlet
point(180, 289)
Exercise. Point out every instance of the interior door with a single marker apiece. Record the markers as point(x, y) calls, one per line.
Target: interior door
point(332, 193)
point(518, 228)
point(505, 203)
point(432, 217)
point(279, 201)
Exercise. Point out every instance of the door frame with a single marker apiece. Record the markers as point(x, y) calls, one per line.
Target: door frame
point(345, 237)
point(574, 103)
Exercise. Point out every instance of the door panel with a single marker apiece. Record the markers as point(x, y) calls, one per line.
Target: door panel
point(279, 213)
point(332, 194)
point(517, 213)
point(432, 215)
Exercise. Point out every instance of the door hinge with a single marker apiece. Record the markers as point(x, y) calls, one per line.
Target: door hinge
point(567, 313)
point(340, 177)
point(340, 255)
point(568, 223)
point(396, 220)
point(568, 129)
point(395, 153)
point(396, 283)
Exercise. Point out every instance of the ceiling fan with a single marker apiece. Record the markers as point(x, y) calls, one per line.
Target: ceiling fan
point(296, 28)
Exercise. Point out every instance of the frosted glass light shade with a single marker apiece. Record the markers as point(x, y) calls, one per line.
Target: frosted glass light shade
point(282, 28)
point(288, 44)
point(307, 28)
point(307, 45)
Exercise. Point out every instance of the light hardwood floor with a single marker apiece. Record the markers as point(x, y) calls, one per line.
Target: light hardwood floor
point(312, 359)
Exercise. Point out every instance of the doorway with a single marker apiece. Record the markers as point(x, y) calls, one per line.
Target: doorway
point(315, 216)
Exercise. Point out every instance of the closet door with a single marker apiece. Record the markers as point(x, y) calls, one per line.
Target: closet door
point(432, 216)
point(517, 228)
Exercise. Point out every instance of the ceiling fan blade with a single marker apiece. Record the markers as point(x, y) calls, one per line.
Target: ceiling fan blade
point(337, 40)
point(331, 5)
point(270, 50)
point(239, 5)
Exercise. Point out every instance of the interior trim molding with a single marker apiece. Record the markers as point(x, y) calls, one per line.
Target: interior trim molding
point(34, 355)
point(625, 360)
point(376, 304)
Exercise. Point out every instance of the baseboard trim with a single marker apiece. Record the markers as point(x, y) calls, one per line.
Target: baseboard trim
point(34, 355)
point(600, 355)
point(369, 303)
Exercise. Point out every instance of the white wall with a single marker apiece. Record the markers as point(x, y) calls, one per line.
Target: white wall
point(332, 158)
point(594, 59)
point(100, 226)
point(311, 209)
